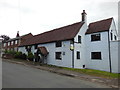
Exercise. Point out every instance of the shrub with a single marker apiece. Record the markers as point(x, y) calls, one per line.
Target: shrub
point(24, 56)
point(6, 51)
point(18, 55)
point(10, 52)
point(30, 56)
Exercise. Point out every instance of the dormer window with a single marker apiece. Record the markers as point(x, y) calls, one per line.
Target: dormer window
point(95, 37)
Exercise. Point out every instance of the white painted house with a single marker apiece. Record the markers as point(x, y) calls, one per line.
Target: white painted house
point(78, 45)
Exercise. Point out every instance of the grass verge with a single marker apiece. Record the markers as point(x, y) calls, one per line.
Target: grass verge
point(98, 73)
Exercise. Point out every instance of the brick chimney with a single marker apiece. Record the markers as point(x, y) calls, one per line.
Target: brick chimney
point(84, 18)
point(17, 34)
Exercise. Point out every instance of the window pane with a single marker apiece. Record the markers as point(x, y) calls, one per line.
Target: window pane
point(115, 37)
point(96, 55)
point(58, 44)
point(4, 44)
point(78, 55)
point(8, 43)
point(111, 36)
point(58, 55)
point(79, 39)
point(95, 37)
point(15, 41)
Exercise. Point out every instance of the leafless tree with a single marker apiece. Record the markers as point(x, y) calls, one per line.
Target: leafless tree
point(5, 37)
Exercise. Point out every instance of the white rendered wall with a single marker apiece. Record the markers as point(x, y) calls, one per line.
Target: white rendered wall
point(22, 49)
point(119, 56)
point(98, 46)
point(114, 56)
point(66, 59)
point(78, 63)
point(114, 49)
point(113, 30)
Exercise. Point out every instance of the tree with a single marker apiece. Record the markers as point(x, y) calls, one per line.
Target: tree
point(5, 37)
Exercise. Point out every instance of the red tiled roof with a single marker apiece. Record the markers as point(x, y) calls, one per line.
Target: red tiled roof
point(63, 33)
point(43, 50)
point(25, 37)
point(99, 26)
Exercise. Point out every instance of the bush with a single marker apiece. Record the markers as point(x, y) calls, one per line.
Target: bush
point(6, 51)
point(30, 56)
point(18, 55)
point(10, 52)
point(24, 56)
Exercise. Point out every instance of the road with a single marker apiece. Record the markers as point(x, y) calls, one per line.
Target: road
point(20, 76)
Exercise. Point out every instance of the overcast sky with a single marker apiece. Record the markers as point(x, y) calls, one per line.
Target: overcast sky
point(37, 16)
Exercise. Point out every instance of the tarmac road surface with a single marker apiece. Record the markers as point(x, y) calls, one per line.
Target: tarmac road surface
point(20, 76)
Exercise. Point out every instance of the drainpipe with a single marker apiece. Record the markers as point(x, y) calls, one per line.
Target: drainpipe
point(109, 52)
point(73, 59)
point(72, 49)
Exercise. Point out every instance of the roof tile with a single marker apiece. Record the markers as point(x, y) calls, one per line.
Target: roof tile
point(99, 26)
point(63, 33)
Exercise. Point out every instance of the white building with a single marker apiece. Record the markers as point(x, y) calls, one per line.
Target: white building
point(0, 47)
point(78, 45)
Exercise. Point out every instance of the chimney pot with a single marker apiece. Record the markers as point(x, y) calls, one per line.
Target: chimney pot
point(84, 18)
point(17, 34)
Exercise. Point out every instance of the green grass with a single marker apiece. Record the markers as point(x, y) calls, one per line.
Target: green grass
point(92, 72)
point(98, 73)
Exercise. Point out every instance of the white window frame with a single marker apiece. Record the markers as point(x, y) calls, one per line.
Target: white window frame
point(8, 43)
point(60, 55)
point(12, 42)
point(94, 39)
point(4, 44)
point(16, 42)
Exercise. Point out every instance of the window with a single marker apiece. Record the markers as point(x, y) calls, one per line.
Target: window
point(78, 55)
point(95, 55)
point(115, 37)
point(79, 39)
point(4, 44)
point(8, 43)
point(16, 41)
point(111, 36)
point(95, 37)
point(58, 44)
point(58, 55)
point(12, 42)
